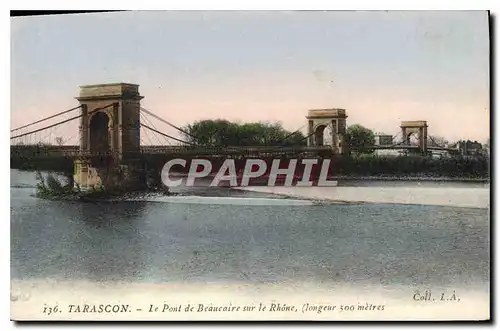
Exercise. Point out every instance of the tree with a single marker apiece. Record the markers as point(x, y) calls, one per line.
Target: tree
point(359, 139)
point(438, 141)
point(210, 132)
point(59, 141)
point(469, 147)
point(224, 133)
point(486, 147)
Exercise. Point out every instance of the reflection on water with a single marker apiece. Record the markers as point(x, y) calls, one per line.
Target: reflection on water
point(166, 242)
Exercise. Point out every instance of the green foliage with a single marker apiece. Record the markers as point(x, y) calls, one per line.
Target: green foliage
point(438, 141)
point(40, 185)
point(51, 188)
point(358, 139)
point(470, 147)
point(415, 166)
point(224, 133)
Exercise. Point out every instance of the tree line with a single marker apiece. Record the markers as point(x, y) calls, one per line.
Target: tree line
point(221, 132)
point(358, 139)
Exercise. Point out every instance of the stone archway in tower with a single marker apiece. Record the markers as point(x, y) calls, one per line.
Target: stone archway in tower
point(319, 135)
point(327, 127)
point(413, 138)
point(99, 133)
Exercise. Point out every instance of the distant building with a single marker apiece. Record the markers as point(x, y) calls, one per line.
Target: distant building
point(470, 147)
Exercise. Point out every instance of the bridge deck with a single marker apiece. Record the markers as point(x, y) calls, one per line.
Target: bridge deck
point(191, 150)
point(74, 151)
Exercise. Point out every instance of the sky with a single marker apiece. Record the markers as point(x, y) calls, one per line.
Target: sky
point(382, 67)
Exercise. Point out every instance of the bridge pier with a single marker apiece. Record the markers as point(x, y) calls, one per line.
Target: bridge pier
point(110, 176)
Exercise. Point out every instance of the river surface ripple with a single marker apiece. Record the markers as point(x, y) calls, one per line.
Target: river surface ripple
point(351, 244)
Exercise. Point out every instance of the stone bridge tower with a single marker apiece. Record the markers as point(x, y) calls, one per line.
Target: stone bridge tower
point(109, 136)
point(335, 120)
point(409, 128)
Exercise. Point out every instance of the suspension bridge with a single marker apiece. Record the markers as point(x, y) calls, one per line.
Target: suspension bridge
point(109, 129)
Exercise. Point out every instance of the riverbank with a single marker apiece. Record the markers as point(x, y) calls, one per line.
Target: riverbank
point(438, 196)
point(263, 180)
point(350, 189)
point(413, 178)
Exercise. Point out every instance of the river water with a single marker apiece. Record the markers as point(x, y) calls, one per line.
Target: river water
point(232, 237)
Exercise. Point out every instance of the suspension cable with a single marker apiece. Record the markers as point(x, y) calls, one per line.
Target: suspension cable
point(434, 142)
point(143, 119)
point(301, 140)
point(291, 134)
point(44, 119)
point(168, 123)
point(311, 134)
point(62, 122)
point(166, 135)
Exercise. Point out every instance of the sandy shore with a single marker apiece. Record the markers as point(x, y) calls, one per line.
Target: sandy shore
point(412, 178)
point(457, 197)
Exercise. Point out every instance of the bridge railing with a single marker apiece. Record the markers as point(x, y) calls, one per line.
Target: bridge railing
point(260, 151)
point(74, 151)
